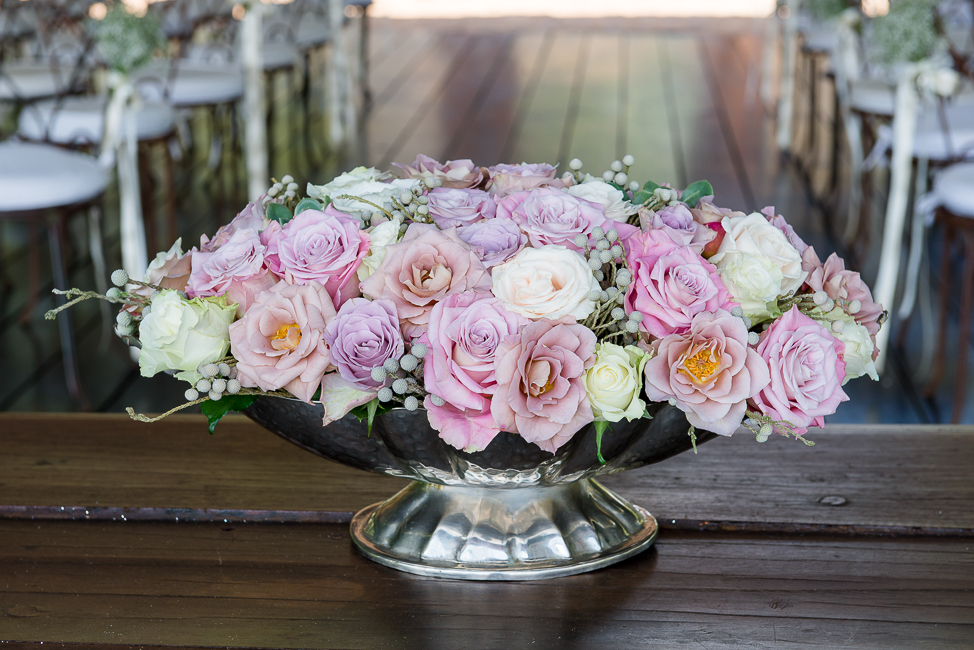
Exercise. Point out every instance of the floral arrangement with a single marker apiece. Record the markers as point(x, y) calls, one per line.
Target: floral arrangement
point(507, 298)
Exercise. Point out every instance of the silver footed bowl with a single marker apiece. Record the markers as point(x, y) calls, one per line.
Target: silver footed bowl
point(509, 512)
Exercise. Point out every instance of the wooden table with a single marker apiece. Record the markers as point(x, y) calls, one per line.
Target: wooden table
point(117, 534)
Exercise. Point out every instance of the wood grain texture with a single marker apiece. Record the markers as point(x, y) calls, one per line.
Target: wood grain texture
point(304, 587)
point(893, 479)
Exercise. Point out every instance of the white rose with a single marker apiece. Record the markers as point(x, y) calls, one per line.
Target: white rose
point(859, 346)
point(373, 191)
point(754, 235)
point(342, 183)
point(753, 281)
point(380, 236)
point(613, 201)
point(181, 335)
point(615, 382)
point(548, 282)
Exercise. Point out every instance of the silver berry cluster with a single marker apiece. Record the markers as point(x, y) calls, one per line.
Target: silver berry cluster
point(413, 204)
point(618, 172)
point(607, 260)
point(285, 188)
point(402, 378)
point(218, 379)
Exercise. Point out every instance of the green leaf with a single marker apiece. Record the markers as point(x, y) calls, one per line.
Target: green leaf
point(642, 197)
point(646, 415)
point(693, 438)
point(214, 410)
point(600, 428)
point(696, 191)
point(369, 411)
point(306, 204)
point(650, 187)
point(278, 213)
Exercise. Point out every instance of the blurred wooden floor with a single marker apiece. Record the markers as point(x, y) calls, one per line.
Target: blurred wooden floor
point(679, 94)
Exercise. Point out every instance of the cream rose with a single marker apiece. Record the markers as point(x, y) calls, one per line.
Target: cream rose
point(612, 200)
point(341, 184)
point(615, 383)
point(376, 192)
point(181, 335)
point(547, 282)
point(752, 236)
point(380, 236)
point(752, 280)
point(859, 346)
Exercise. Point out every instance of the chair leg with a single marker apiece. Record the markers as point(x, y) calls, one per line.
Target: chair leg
point(147, 189)
point(34, 274)
point(171, 227)
point(55, 236)
point(967, 302)
point(939, 360)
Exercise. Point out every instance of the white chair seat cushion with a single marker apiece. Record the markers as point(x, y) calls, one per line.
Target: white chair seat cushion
point(279, 55)
point(954, 187)
point(80, 120)
point(873, 97)
point(40, 176)
point(819, 39)
point(932, 141)
point(27, 80)
point(195, 83)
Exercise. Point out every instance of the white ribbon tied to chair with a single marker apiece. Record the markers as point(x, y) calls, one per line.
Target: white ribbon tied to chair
point(927, 77)
point(120, 147)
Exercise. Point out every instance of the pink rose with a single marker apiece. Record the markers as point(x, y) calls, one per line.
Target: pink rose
point(450, 207)
point(806, 371)
point(169, 270)
point(671, 284)
point(709, 371)
point(507, 179)
point(240, 258)
point(679, 225)
point(245, 292)
point(464, 333)
point(279, 342)
point(711, 216)
point(454, 174)
point(542, 372)
point(325, 247)
point(250, 218)
point(428, 265)
point(840, 284)
point(779, 222)
point(552, 217)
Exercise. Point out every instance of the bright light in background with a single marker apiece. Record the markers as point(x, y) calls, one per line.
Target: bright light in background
point(875, 7)
point(98, 10)
point(570, 8)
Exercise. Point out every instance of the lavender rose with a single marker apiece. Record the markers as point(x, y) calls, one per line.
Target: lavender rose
point(551, 217)
point(464, 332)
point(671, 284)
point(709, 371)
point(428, 265)
point(363, 335)
point(542, 372)
point(240, 258)
point(494, 240)
point(279, 342)
point(325, 247)
point(250, 218)
point(679, 225)
point(452, 207)
point(807, 371)
point(454, 173)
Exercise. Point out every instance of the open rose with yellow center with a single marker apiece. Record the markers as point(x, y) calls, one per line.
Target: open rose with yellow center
point(709, 372)
point(279, 342)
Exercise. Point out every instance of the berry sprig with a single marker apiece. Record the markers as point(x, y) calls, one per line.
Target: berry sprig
point(402, 379)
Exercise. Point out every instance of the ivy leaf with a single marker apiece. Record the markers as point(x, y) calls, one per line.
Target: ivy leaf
point(306, 204)
point(642, 197)
point(650, 187)
point(214, 410)
point(696, 191)
point(278, 213)
point(600, 428)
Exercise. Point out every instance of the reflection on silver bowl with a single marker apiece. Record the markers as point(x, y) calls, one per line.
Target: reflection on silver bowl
point(509, 512)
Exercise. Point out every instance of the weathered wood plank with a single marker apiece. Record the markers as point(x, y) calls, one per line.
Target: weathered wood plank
point(304, 586)
point(649, 133)
point(889, 479)
point(594, 133)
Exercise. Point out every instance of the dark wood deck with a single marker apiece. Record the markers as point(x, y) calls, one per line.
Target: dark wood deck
point(117, 534)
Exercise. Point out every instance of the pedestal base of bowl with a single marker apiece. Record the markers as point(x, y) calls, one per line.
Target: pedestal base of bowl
point(490, 533)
